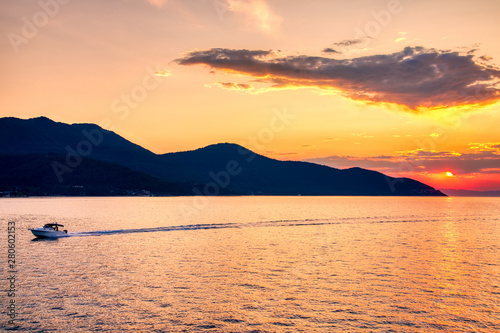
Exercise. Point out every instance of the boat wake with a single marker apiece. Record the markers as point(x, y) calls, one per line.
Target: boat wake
point(141, 230)
point(278, 223)
point(204, 227)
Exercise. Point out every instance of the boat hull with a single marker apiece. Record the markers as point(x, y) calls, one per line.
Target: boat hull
point(44, 233)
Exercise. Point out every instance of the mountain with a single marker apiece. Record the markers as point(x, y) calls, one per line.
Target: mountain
point(469, 193)
point(257, 174)
point(65, 150)
point(33, 175)
point(76, 141)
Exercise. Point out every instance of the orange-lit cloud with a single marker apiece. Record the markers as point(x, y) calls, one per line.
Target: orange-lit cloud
point(402, 37)
point(163, 72)
point(331, 51)
point(416, 78)
point(235, 86)
point(478, 158)
point(475, 168)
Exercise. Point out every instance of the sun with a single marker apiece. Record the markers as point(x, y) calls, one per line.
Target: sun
point(449, 174)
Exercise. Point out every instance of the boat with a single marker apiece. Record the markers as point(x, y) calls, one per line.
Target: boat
point(50, 230)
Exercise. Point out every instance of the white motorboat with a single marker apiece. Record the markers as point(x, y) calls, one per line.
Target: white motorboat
point(50, 230)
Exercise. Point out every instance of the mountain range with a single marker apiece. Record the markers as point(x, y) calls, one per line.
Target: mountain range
point(41, 157)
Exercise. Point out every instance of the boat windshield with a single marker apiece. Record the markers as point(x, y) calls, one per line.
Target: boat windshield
point(53, 226)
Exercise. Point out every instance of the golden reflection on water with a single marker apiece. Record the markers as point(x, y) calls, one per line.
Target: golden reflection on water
point(409, 266)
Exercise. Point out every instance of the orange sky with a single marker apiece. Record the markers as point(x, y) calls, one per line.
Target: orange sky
point(408, 88)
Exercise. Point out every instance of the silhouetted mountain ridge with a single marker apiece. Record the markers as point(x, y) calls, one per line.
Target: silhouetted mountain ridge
point(33, 175)
point(223, 168)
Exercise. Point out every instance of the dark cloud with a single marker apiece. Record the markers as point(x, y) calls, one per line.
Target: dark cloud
point(217, 58)
point(416, 78)
point(485, 58)
point(330, 50)
point(350, 42)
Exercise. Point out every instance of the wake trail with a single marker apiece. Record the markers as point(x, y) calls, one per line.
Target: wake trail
point(199, 227)
point(276, 223)
point(157, 229)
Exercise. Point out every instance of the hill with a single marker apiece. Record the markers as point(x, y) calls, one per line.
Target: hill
point(33, 175)
point(223, 168)
point(257, 174)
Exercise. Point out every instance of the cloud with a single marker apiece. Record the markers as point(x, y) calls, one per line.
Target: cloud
point(402, 37)
point(415, 78)
point(330, 50)
point(235, 86)
point(493, 147)
point(348, 47)
point(478, 158)
point(350, 42)
point(491, 170)
point(362, 135)
point(485, 58)
point(163, 72)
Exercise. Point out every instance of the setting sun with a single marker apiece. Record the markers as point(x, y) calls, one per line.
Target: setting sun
point(449, 174)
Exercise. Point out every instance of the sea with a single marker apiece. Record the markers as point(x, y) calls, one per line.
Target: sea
point(252, 264)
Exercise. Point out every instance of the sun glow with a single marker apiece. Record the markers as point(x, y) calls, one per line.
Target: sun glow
point(449, 174)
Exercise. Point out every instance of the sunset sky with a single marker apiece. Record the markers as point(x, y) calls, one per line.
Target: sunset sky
point(405, 87)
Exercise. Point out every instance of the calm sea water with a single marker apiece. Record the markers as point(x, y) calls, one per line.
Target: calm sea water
point(256, 264)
